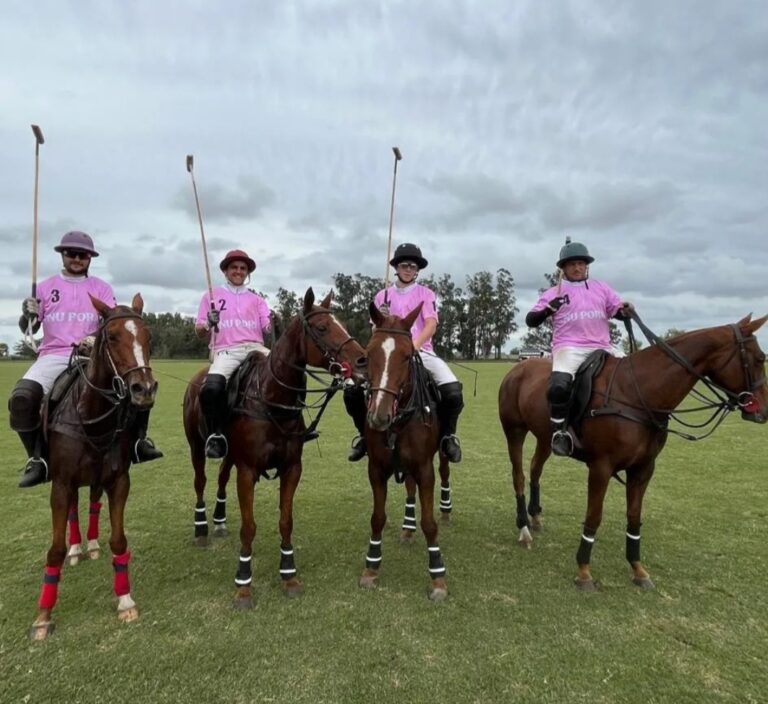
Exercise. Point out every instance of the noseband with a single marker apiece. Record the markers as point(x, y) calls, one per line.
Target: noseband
point(391, 331)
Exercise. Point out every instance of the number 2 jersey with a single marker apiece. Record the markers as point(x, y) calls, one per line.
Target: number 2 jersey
point(243, 316)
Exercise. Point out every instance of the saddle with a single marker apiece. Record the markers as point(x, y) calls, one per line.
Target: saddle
point(581, 391)
point(61, 387)
point(236, 384)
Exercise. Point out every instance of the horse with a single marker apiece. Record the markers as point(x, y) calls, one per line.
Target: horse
point(266, 429)
point(625, 425)
point(90, 435)
point(402, 433)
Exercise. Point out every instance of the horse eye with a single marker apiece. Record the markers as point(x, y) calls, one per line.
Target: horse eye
point(322, 328)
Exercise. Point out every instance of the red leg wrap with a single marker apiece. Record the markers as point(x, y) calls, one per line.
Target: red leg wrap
point(50, 590)
point(93, 521)
point(74, 526)
point(120, 565)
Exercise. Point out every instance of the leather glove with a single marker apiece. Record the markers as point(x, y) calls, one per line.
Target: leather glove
point(85, 346)
point(213, 318)
point(627, 309)
point(30, 307)
point(556, 303)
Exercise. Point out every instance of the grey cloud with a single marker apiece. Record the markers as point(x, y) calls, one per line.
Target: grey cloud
point(223, 204)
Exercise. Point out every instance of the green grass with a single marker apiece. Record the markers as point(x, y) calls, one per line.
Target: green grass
point(514, 629)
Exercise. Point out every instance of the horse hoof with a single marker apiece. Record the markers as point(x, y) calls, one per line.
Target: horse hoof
point(293, 591)
point(438, 594)
point(368, 581)
point(445, 518)
point(536, 523)
point(643, 582)
point(201, 541)
point(94, 554)
point(586, 585)
point(525, 540)
point(407, 537)
point(220, 532)
point(74, 560)
point(243, 603)
point(40, 631)
point(128, 615)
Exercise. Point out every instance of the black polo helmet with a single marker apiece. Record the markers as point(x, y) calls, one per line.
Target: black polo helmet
point(408, 253)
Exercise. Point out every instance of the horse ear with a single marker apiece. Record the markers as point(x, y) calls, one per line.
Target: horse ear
point(376, 315)
point(408, 319)
point(309, 300)
point(753, 325)
point(745, 321)
point(327, 300)
point(137, 304)
point(102, 308)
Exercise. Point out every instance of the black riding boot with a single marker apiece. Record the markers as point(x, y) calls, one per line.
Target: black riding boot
point(144, 450)
point(213, 403)
point(24, 407)
point(559, 395)
point(354, 402)
point(448, 410)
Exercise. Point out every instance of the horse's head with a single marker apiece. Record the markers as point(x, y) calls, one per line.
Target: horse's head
point(123, 345)
point(740, 368)
point(390, 350)
point(329, 345)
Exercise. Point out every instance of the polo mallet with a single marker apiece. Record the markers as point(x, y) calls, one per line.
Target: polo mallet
point(560, 272)
point(190, 169)
point(29, 336)
point(398, 157)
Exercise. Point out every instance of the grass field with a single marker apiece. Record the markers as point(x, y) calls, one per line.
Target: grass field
point(514, 629)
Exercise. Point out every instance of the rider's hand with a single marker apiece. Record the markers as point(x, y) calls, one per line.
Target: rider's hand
point(85, 346)
point(30, 307)
point(213, 318)
point(556, 303)
point(627, 309)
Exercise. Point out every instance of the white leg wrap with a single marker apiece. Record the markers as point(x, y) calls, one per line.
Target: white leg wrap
point(125, 602)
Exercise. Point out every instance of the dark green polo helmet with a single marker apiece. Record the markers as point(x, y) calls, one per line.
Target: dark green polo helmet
point(574, 250)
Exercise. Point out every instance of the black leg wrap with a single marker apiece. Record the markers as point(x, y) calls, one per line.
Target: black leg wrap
point(24, 405)
point(534, 505)
point(201, 522)
point(287, 564)
point(446, 505)
point(354, 402)
point(220, 511)
point(522, 514)
point(436, 565)
point(243, 578)
point(633, 546)
point(585, 549)
point(409, 519)
point(373, 558)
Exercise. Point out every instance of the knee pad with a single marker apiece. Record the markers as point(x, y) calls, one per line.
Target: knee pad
point(451, 395)
point(559, 390)
point(24, 405)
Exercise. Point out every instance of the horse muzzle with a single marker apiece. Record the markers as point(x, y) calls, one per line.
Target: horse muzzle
point(143, 393)
point(379, 422)
point(754, 417)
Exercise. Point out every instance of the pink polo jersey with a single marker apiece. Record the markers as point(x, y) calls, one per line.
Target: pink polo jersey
point(583, 320)
point(243, 316)
point(402, 301)
point(66, 311)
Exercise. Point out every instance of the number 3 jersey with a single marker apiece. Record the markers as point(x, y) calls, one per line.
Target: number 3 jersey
point(243, 316)
point(66, 311)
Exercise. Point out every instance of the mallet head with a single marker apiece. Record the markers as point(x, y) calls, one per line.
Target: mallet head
point(398, 155)
point(38, 134)
point(190, 162)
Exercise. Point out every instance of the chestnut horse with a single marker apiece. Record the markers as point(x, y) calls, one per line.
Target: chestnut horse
point(266, 429)
point(402, 434)
point(90, 437)
point(626, 424)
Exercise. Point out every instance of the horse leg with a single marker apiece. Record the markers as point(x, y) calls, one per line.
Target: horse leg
point(408, 530)
point(540, 456)
point(197, 454)
point(446, 505)
point(94, 512)
point(244, 576)
point(61, 499)
point(438, 590)
point(220, 512)
point(75, 538)
point(117, 493)
point(599, 476)
point(637, 483)
point(370, 577)
point(515, 439)
point(289, 481)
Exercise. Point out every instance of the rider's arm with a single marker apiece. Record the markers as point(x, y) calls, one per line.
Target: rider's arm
point(537, 317)
point(430, 327)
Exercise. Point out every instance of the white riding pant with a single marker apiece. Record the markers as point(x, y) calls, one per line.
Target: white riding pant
point(45, 370)
point(437, 368)
point(226, 361)
point(569, 359)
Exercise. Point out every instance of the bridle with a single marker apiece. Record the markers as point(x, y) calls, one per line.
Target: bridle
point(391, 331)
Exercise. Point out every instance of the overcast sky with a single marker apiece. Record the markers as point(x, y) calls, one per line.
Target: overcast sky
point(638, 128)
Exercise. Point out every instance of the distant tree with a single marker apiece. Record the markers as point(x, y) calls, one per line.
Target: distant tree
point(20, 349)
point(503, 321)
point(173, 336)
point(672, 332)
point(451, 309)
point(3, 349)
point(287, 305)
point(354, 294)
point(482, 301)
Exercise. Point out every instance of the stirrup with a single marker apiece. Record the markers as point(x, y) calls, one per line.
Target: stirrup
point(358, 449)
point(216, 446)
point(562, 443)
point(145, 451)
point(35, 472)
point(451, 448)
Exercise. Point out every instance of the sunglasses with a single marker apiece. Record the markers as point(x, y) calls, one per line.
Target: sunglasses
point(407, 265)
point(76, 254)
